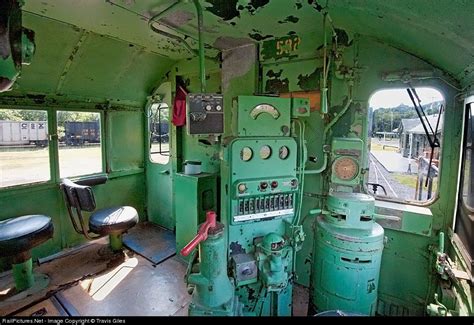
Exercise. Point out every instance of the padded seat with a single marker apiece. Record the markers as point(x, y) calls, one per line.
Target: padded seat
point(21, 234)
point(113, 220)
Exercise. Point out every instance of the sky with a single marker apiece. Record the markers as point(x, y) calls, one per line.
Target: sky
point(394, 97)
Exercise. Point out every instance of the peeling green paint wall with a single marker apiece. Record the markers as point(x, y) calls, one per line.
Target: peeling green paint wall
point(96, 54)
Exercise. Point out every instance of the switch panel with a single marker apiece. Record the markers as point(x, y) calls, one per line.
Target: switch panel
point(205, 114)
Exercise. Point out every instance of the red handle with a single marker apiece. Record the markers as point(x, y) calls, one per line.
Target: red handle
point(202, 233)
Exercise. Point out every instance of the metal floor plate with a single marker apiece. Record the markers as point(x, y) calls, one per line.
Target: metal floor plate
point(151, 241)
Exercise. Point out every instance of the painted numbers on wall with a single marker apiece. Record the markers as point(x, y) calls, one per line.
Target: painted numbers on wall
point(287, 45)
point(284, 47)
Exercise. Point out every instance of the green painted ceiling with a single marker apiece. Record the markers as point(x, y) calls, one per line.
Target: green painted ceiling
point(438, 31)
point(105, 49)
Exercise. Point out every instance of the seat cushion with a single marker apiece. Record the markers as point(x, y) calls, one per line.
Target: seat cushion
point(113, 220)
point(18, 235)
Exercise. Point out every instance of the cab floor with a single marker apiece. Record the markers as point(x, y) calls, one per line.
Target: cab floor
point(94, 282)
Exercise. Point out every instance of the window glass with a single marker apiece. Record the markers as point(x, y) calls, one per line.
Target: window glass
point(80, 151)
point(400, 149)
point(159, 133)
point(24, 153)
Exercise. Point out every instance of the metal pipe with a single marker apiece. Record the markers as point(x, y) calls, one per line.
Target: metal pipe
point(325, 133)
point(324, 89)
point(320, 169)
point(337, 118)
point(202, 68)
point(441, 242)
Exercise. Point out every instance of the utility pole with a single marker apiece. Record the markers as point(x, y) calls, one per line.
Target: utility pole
point(391, 121)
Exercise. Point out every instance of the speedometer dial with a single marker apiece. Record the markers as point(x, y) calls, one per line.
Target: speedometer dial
point(346, 168)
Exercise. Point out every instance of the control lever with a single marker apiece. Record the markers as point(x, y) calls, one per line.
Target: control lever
point(202, 233)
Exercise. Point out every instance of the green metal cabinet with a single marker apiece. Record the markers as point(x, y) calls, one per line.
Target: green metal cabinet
point(196, 194)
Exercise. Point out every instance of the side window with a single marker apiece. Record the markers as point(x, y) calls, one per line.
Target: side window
point(24, 152)
point(158, 119)
point(80, 143)
point(464, 227)
point(404, 160)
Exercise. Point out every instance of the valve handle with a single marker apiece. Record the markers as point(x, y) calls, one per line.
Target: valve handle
point(202, 233)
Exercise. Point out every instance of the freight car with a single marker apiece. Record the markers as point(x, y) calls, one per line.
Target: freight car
point(160, 132)
point(14, 133)
point(79, 133)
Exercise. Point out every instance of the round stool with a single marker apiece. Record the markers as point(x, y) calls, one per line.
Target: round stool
point(17, 237)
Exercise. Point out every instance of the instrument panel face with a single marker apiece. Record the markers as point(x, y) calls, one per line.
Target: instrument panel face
point(284, 152)
point(263, 182)
point(345, 168)
point(246, 154)
point(265, 152)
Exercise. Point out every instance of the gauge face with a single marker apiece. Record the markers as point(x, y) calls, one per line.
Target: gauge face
point(284, 152)
point(346, 168)
point(246, 154)
point(265, 152)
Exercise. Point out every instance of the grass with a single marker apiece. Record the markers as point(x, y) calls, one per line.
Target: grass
point(24, 166)
point(410, 181)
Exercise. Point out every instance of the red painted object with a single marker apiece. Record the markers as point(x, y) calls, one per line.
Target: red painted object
point(202, 233)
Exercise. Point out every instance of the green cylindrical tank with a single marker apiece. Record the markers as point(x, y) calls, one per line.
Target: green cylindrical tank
point(347, 256)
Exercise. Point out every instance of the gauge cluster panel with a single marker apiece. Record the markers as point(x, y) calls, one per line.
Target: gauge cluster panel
point(263, 183)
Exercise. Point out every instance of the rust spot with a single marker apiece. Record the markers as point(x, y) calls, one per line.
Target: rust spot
point(311, 81)
point(259, 37)
point(226, 9)
point(236, 248)
point(315, 5)
point(275, 84)
point(343, 37)
point(289, 19)
point(254, 5)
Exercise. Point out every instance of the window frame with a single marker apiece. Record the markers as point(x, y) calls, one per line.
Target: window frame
point(102, 141)
point(149, 121)
point(434, 198)
point(464, 211)
point(469, 117)
point(53, 148)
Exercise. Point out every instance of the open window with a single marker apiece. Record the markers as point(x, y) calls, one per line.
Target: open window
point(158, 119)
point(24, 152)
point(405, 131)
point(464, 226)
point(80, 143)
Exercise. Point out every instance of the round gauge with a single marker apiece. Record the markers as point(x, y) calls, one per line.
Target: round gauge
point(246, 154)
point(265, 152)
point(284, 152)
point(346, 168)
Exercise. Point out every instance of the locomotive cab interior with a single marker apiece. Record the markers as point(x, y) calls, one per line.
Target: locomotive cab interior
point(261, 158)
